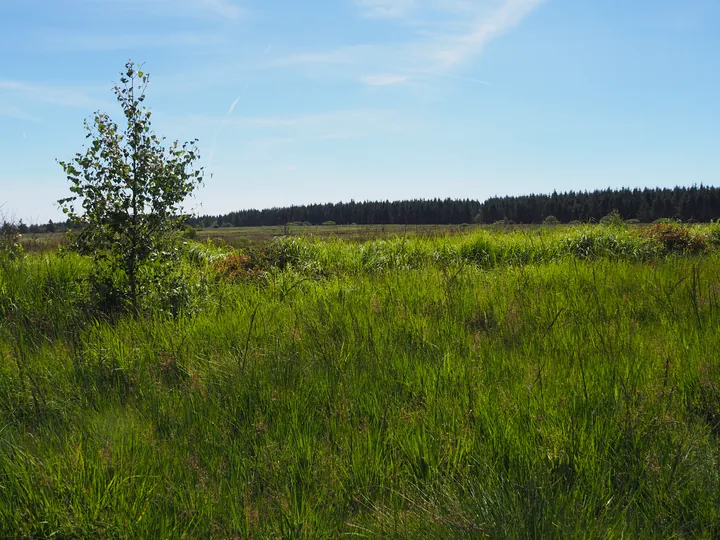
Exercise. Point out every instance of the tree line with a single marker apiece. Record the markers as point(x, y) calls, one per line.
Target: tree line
point(695, 203)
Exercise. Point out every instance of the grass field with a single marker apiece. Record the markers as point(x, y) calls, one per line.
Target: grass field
point(241, 237)
point(546, 383)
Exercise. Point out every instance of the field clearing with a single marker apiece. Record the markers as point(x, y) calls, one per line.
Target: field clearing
point(528, 383)
point(239, 237)
point(242, 236)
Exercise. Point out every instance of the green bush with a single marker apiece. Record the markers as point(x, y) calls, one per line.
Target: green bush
point(126, 199)
point(613, 219)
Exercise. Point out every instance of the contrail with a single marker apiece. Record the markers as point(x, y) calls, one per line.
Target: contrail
point(232, 107)
point(223, 122)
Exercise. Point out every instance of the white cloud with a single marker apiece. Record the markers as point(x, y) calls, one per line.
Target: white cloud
point(54, 95)
point(462, 47)
point(276, 130)
point(386, 9)
point(343, 55)
point(450, 76)
point(383, 79)
point(223, 8)
point(267, 144)
point(443, 36)
point(90, 41)
point(271, 122)
point(11, 111)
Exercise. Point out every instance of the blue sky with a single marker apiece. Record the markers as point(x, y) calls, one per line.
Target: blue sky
point(326, 100)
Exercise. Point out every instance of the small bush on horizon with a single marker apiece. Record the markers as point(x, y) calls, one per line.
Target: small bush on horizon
point(613, 219)
point(10, 236)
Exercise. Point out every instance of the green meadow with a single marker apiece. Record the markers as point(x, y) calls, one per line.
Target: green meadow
point(556, 382)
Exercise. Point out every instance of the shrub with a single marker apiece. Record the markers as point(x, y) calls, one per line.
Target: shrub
point(674, 237)
point(481, 250)
point(551, 220)
point(189, 233)
point(713, 235)
point(235, 267)
point(10, 240)
point(613, 219)
point(129, 189)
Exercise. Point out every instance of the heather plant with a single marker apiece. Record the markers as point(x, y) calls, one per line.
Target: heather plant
point(675, 237)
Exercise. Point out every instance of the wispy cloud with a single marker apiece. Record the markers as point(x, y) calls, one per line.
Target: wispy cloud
point(462, 47)
point(222, 8)
point(442, 36)
point(386, 9)
point(334, 124)
point(457, 77)
point(151, 24)
point(90, 41)
point(339, 55)
point(50, 94)
point(331, 119)
point(383, 79)
point(11, 111)
point(270, 143)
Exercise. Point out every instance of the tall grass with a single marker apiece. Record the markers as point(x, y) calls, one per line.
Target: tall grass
point(560, 384)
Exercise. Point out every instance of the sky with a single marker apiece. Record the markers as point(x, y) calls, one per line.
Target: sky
point(297, 102)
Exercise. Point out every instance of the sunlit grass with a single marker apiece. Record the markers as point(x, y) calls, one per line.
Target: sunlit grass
point(552, 383)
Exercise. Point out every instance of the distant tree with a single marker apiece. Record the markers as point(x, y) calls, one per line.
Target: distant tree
point(129, 188)
point(551, 220)
point(613, 219)
point(10, 246)
point(50, 227)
